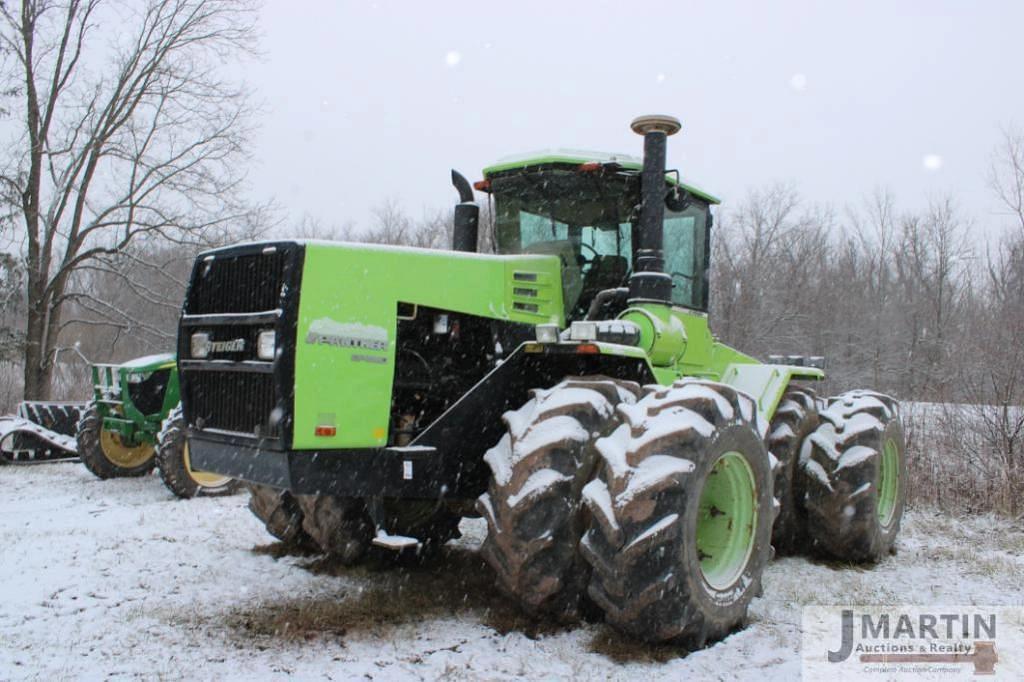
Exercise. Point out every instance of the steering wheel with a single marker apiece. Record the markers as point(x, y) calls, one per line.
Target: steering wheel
point(585, 262)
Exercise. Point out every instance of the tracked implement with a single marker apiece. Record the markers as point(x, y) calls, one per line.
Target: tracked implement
point(40, 431)
point(567, 389)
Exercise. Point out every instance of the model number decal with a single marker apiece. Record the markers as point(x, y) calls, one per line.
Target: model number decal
point(347, 335)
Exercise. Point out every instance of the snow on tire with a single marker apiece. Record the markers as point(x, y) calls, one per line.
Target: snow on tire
point(532, 506)
point(795, 419)
point(853, 470)
point(669, 562)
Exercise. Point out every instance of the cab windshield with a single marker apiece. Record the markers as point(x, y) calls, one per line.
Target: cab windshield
point(587, 221)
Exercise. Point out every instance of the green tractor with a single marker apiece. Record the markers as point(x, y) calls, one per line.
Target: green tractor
point(567, 389)
point(134, 424)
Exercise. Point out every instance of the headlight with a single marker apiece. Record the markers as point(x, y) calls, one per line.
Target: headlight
point(199, 345)
point(583, 331)
point(547, 333)
point(266, 344)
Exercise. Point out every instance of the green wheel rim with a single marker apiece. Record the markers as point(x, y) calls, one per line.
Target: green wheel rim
point(726, 520)
point(888, 482)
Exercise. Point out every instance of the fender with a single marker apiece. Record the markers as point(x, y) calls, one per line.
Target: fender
point(766, 383)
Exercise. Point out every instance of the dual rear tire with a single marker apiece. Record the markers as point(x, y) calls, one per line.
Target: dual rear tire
point(853, 468)
point(340, 527)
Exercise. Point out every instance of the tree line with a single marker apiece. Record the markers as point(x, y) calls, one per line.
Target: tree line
point(126, 156)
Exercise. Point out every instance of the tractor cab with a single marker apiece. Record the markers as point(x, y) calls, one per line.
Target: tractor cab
point(584, 208)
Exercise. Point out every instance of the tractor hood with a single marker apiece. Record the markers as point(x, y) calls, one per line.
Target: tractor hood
point(353, 296)
point(150, 363)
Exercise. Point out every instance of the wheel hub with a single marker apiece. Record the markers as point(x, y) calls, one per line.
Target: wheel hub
point(726, 520)
point(127, 457)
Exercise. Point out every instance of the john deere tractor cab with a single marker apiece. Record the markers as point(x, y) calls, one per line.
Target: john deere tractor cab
point(567, 389)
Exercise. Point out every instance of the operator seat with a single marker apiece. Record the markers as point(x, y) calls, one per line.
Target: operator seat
point(606, 272)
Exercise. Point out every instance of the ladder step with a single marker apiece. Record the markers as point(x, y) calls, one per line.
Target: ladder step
point(395, 542)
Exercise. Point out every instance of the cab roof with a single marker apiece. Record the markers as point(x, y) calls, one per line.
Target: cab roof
point(575, 157)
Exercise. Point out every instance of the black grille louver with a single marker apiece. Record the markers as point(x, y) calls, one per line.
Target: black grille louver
point(237, 284)
point(238, 402)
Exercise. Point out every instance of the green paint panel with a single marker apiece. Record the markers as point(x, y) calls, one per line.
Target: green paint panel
point(696, 353)
point(345, 345)
point(766, 383)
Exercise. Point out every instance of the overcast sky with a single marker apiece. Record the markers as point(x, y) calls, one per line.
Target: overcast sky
point(373, 100)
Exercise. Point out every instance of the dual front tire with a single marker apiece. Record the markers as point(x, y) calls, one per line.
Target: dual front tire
point(655, 507)
point(681, 513)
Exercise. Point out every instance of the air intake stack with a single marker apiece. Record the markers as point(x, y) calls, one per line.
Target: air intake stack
point(650, 282)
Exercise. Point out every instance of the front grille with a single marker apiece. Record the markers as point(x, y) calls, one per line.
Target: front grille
point(230, 299)
point(239, 402)
point(245, 283)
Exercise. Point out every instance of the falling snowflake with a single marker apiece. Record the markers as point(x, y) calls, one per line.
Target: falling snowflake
point(931, 162)
point(453, 58)
point(798, 82)
point(661, 78)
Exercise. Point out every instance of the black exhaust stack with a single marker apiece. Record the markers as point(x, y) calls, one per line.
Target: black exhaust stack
point(467, 216)
point(649, 281)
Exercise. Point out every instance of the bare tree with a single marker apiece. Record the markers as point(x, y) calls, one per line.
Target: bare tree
point(132, 140)
point(932, 273)
point(392, 225)
point(767, 262)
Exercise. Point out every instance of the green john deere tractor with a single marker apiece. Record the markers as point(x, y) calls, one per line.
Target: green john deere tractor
point(567, 389)
point(134, 423)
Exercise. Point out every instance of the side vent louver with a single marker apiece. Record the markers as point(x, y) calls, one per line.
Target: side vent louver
point(532, 293)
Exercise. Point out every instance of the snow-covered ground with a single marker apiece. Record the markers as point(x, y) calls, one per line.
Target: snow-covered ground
point(119, 579)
